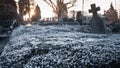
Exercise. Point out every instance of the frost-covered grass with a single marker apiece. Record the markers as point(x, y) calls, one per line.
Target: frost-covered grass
point(2, 44)
point(60, 46)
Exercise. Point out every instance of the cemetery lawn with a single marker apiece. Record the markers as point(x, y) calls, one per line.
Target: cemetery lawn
point(60, 46)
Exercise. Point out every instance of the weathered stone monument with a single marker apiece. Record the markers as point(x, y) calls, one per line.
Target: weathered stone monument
point(37, 14)
point(60, 18)
point(97, 23)
point(79, 17)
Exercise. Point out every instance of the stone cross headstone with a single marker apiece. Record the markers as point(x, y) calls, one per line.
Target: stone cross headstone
point(97, 22)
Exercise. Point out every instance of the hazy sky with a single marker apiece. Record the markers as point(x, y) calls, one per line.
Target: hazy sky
point(46, 11)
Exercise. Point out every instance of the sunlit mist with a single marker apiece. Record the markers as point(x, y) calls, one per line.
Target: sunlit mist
point(26, 17)
point(46, 10)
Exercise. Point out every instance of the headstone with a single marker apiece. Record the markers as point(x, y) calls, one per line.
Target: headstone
point(60, 18)
point(53, 19)
point(37, 14)
point(79, 17)
point(97, 23)
point(73, 14)
point(116, 28)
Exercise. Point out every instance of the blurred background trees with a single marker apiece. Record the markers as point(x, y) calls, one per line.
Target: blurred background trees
point(29, 11)
point(60, 7)
point(8, 12)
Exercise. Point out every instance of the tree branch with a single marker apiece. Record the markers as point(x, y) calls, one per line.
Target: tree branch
point(51, 4)
point(72, 3)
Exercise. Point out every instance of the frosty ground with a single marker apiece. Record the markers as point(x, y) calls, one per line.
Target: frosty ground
point(60, 46)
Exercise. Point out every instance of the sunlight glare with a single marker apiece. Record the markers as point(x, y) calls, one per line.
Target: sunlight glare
point(32, 13)
point(26, 17)
point(46, 10)
point(29, 24)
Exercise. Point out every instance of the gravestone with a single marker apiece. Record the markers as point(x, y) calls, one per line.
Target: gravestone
point(116, 28)
point(97, 22)
point(79, 17)
point(37, 14)
point(60, 18)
